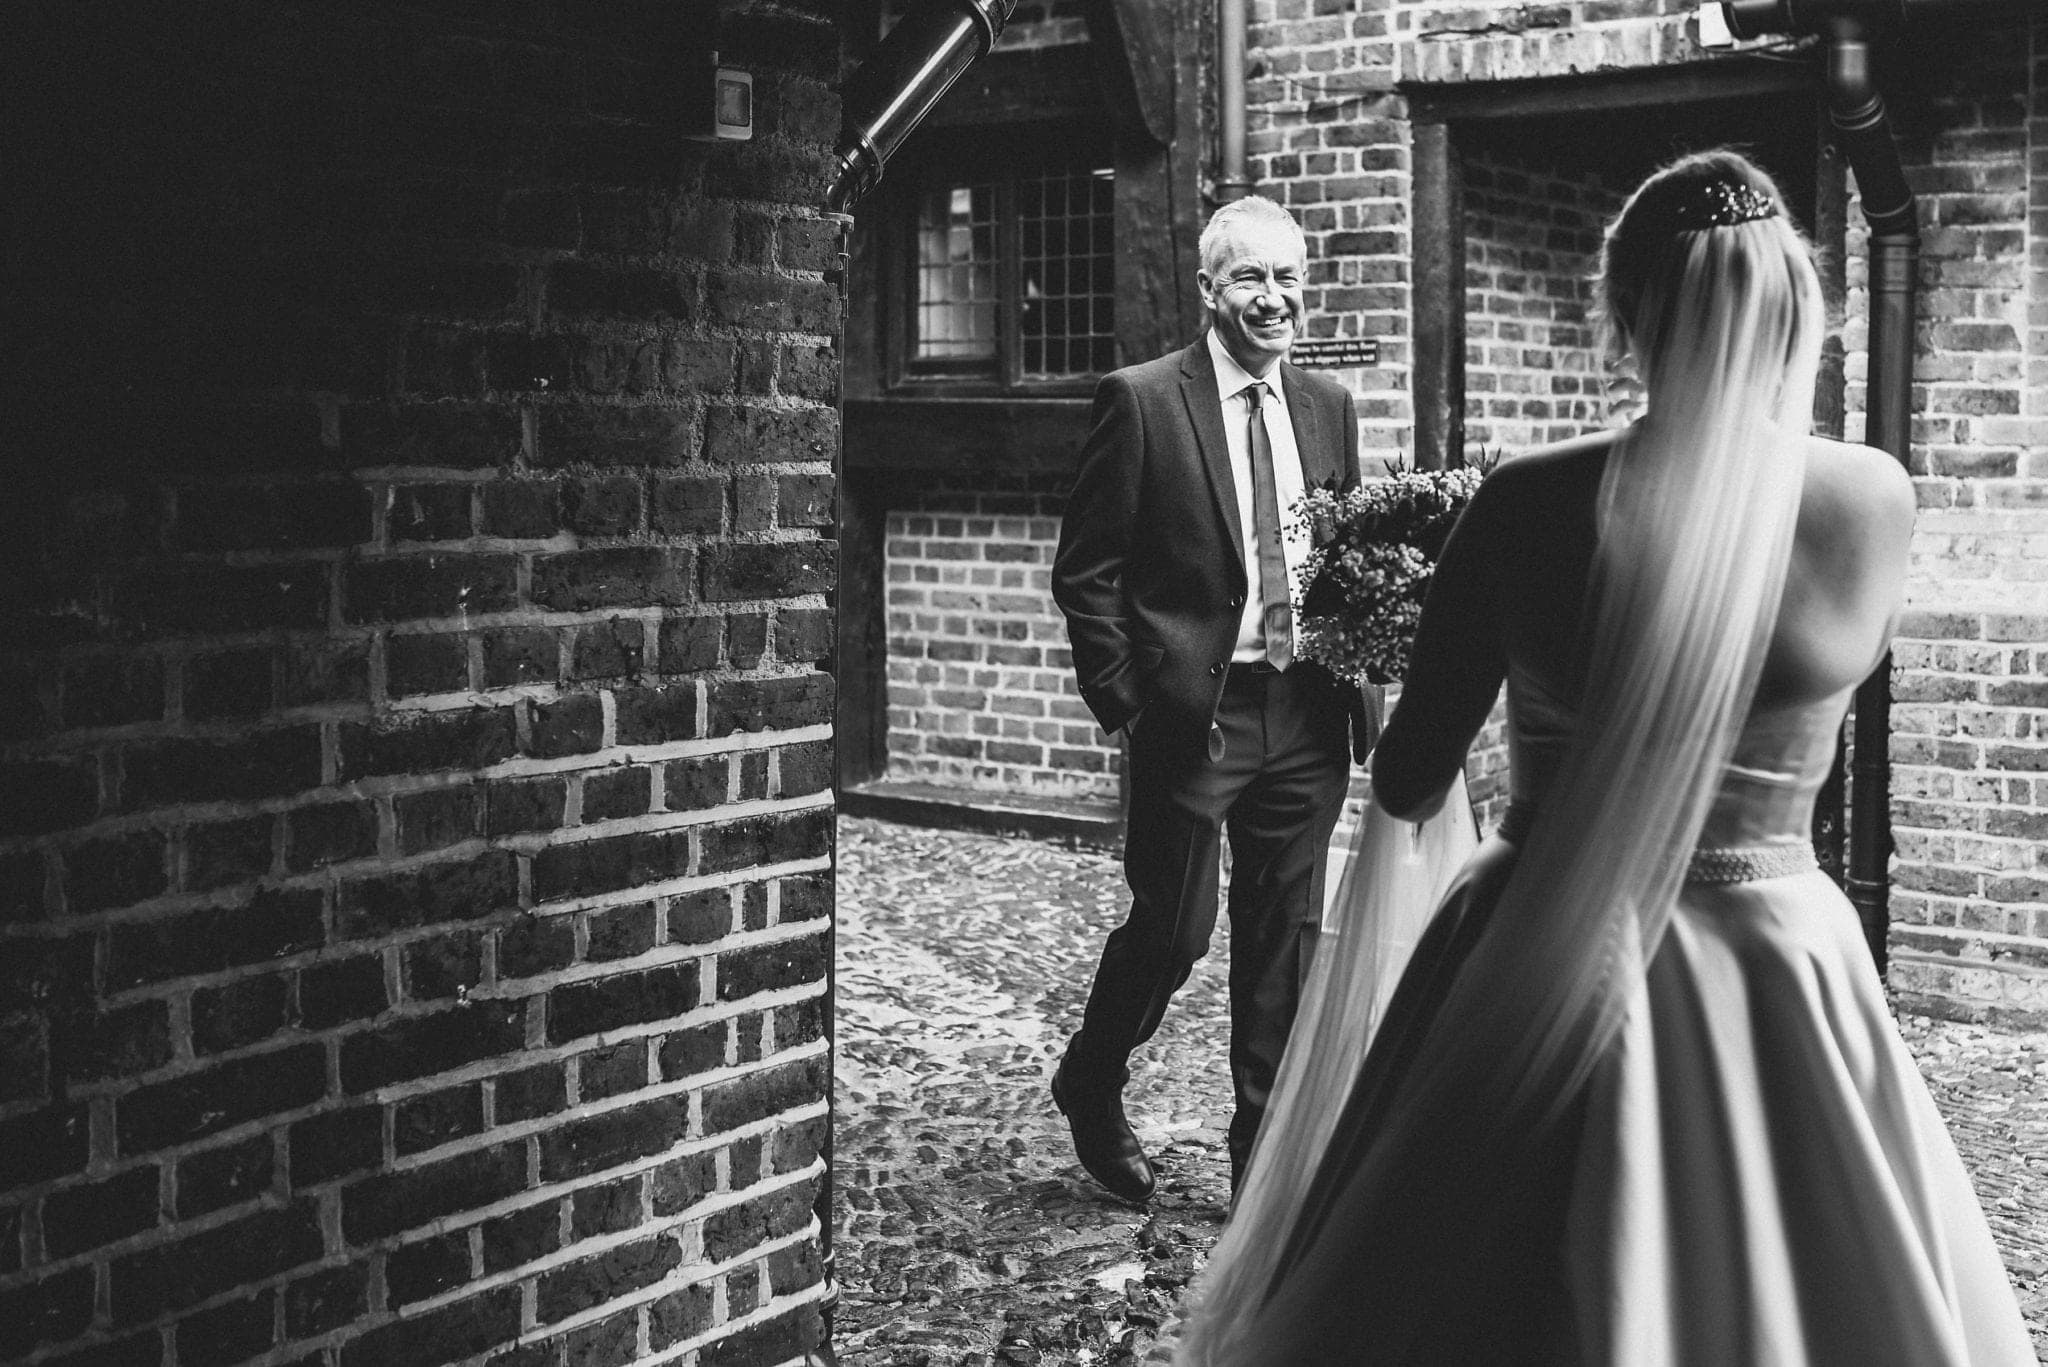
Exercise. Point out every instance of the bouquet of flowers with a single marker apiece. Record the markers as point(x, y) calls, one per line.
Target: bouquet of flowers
point(1375, 547)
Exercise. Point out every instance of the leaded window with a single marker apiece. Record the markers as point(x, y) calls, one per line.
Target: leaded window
point(1012, 278)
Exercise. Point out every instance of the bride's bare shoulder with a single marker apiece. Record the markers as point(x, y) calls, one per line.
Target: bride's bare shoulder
point(1856, 497)
point(1865, 466)
point(1847, 579)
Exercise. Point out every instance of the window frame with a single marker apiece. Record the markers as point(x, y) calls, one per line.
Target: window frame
point(981, 156)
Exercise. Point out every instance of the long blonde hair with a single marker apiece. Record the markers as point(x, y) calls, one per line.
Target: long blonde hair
point(1714, 291)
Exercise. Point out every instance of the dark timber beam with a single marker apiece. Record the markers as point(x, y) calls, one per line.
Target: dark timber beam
point(996, 435)
point(1656, 87)
point(860, 663)
point(1437, 322)
point(1158, 187)
point(1132, 42)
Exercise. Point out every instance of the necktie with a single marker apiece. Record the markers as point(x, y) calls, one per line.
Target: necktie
point(1278, 621)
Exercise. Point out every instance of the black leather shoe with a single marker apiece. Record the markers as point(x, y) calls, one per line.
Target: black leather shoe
point(1103, 1140)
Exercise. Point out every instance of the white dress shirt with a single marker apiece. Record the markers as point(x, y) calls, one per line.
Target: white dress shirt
point(1231, 382)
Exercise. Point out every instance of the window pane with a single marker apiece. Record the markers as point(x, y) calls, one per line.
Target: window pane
point(955, 323)
point(1065, 235)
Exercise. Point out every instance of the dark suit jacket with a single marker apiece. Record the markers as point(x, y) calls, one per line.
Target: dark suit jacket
point(1150, 571)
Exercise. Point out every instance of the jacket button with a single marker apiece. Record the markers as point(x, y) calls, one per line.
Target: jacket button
point(1215, 669)
point(1238, 601)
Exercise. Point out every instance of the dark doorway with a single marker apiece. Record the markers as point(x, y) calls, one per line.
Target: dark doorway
point(1514, 183)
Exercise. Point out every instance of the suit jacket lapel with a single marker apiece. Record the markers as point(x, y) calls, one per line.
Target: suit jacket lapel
point(1319, 458)
point(1205, 413)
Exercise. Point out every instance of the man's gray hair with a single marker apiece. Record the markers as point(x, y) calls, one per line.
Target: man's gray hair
point(1246, 212)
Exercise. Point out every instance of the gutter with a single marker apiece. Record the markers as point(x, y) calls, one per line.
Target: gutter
point(1862, 131)
point(1233, 170)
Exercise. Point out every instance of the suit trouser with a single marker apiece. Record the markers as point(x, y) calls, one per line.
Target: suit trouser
point(1273, 776)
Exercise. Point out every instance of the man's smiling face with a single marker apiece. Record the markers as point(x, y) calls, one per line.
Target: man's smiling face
point(1252, 287)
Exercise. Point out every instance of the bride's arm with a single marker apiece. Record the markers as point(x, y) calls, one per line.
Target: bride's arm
point(1456, 670)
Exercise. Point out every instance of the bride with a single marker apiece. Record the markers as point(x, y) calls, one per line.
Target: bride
point(1636, 1099)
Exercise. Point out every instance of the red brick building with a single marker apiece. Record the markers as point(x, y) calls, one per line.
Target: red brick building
point(1027, 239)
point(415, 812)
point(1452, 165)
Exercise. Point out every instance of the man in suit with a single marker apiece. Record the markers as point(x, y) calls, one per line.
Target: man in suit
point(1176, 572)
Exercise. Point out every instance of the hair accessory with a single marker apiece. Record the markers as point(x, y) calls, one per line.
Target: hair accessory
point(1719, 203)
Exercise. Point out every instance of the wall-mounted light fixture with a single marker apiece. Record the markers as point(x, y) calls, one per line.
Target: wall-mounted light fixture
point(719, 102)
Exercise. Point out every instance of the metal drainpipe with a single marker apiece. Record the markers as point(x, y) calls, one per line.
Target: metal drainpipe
point(1863, 132)
point(1856, 110)
point(1233, 174)
point(891, 92)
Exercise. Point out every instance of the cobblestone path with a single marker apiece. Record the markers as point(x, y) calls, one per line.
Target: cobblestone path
point(966, 1235)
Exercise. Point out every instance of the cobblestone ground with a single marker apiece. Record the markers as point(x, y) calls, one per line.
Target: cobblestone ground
point(966, 1235)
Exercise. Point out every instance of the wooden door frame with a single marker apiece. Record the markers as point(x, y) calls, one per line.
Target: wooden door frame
point(1443, 118)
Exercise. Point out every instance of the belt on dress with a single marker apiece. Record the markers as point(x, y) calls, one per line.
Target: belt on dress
point(1749, 863)
point(1708, 866)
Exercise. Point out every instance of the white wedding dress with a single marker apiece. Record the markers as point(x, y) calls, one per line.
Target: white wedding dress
point(1762, 1176)
point(1756, 1175)
point(1618, 1088)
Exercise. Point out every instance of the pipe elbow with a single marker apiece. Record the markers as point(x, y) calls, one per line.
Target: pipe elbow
point(1853, 99)
point(1857, 111)
point(898, 85)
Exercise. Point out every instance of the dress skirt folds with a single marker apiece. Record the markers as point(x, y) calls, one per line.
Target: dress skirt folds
point(1763, 1177)
point(1753, 1175)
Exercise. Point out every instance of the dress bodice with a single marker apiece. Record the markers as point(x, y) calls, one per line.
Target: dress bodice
point(1781, 759)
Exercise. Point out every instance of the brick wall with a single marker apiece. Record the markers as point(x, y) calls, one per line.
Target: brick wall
point(981, 683)
point(415, 836)
point(1533, 370)
point(1331, 137)
point(1326, 138)
point(981, 694)
point(1970, 716)
point(1489, 40)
